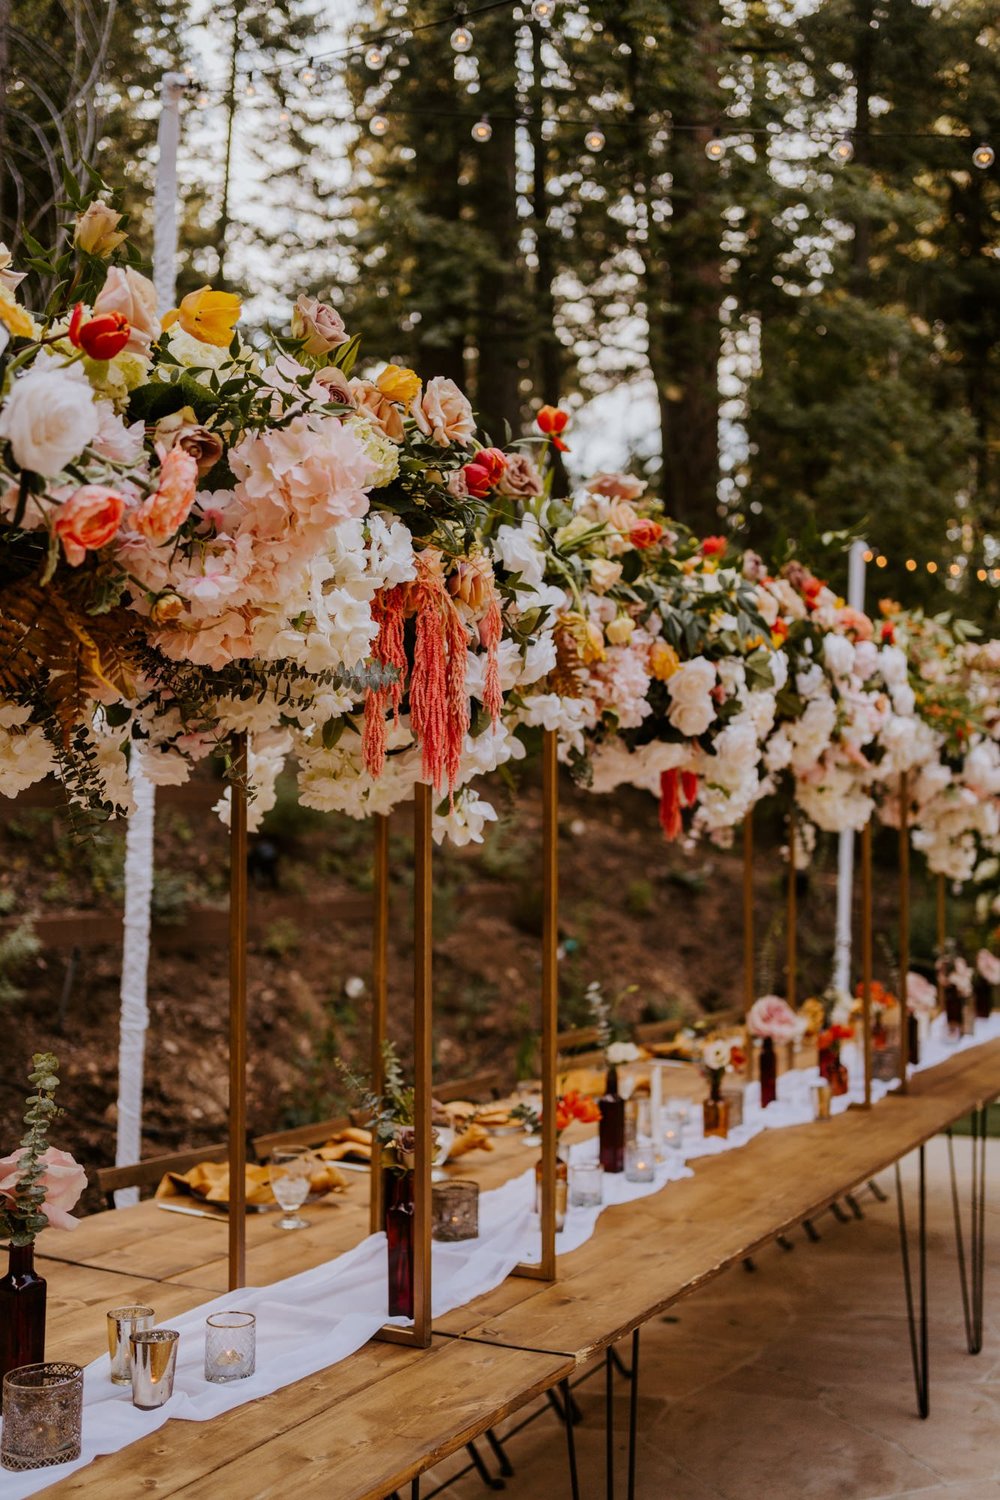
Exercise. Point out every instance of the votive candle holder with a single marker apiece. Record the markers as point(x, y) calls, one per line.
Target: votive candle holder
point(455, 1210)
point(230, 1346)
point(122, 1323)
point(42, 1416)
point(822, 1095)
point(154, 1360)
point(586, 1184)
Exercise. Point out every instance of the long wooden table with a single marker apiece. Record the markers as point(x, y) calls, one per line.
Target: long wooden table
point(366, 1426)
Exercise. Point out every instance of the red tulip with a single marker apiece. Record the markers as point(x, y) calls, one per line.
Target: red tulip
point(552, 421)
point(477, 480)
point(713, 546)
point(102, 337)
point(493, 461)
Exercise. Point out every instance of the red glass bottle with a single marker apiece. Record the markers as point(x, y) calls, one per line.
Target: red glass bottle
point(768, 1070)
point(22, 1312)
point(912, 1038)
point(612, 1126)
point(983, 993)
point(954, 1005)
point(398, 1199)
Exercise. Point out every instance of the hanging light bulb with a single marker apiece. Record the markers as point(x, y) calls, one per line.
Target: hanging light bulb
point(375, 58)
point(202, 100)
point(250, 89)
point(308, 74)
point(284, 116)
point(594, 139)
point(461, 38)
point(715, 149)
point(543, 10)
point(843, 150)
point(983, 157)
point(482, 131)
point(378, 125)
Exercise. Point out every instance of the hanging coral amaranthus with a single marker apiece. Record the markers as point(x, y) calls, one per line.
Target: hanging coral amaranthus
point(440, 604)
point(678, 789)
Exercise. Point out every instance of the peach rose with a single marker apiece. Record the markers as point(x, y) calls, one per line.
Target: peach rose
point(771, 1016)
point(372, 402)
point(97, 230)
point(604, 574)
point(336, 386)
point(617, 486)
point(159, 517)
point(63, 1180)
point(443, 413)
point(88, 518)
point(133, 295)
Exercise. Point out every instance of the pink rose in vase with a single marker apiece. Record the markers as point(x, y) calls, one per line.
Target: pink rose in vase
point(63, 1180)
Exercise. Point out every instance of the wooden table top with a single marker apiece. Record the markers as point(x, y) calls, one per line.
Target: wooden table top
point(365, 1426)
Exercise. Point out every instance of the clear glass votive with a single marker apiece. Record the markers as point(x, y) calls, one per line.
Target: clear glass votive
point(230, 1346)
point(455, 1210)
point(640, 1155)
point(42, 1416)
point(122, 1323)
point(586, 1184)
point(639, 1164)
point(821, 1097)
point(154, 1360)
point(674, 1117)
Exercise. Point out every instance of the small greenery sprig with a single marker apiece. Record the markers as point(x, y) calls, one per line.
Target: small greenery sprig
point(23, 1218)
point(390, 1115)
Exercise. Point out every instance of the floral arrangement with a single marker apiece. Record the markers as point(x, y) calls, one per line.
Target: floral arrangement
point(571, 1106)
point(719, 1056)
point(39, 1184)
point(770, 1016)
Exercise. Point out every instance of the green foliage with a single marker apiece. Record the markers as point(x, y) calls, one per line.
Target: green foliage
point(17, 949)
point(23, 1216)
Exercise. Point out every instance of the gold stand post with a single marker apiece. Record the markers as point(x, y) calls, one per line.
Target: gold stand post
point(238, 1017)
point(748, 936)
point(942, 932)
point(904, 923)
point(791, 956)
point(423, 943)
point(546, 1268)
point(380, 1003)
point(866, 955)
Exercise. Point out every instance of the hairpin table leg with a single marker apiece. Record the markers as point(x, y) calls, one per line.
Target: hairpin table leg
point(567, 1401)
point(499, 1453)
point(971, 1278)
point(633, 1414)
point(918, 1336)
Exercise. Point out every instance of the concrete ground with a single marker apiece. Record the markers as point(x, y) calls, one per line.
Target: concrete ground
point(794, 1383)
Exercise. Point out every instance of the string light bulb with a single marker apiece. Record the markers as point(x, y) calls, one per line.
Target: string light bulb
point(375, 58)
point(378, 125)
point(308, 74)
point(251, 87)
point(715, 149)
point(594, 139)
point(932, 567)
point(843, 150)
point(983, 157)
point(482, 131)
point(461, 39)
point(881, 560)
point(911, 565)
point(202, 100)
point(543, 10)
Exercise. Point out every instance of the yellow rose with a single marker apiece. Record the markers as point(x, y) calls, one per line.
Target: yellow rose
point(593, 643)
point(663, 661)
point(17, 320)
point(97, 230)
point(207, 315)
point(399, 384)
point(620, 631)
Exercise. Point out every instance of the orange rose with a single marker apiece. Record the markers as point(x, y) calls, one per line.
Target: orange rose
point(159, 517)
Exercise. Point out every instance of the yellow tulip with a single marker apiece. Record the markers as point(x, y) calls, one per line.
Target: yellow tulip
point(398, 383)
point(17, 320)
point(207, 315)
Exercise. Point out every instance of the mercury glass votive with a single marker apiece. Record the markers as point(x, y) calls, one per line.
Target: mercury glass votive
point(154, 1360)
point(586, 1184)
point(455, 1210)
point(42, 1416)
point(822, 1094)
point(230, 1346)
point(122, 1323)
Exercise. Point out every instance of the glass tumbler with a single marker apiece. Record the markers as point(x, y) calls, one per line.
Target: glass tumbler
point(230, 1346)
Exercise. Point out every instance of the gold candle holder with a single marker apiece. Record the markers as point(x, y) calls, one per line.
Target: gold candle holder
point(122, 1323)
point(822, 1096)
point(154, 1360)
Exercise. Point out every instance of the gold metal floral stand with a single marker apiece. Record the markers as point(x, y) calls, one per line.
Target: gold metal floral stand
point(791, 917)
point(749, 978)
point(904, 924)
point(866, 957)
point(238, 1015)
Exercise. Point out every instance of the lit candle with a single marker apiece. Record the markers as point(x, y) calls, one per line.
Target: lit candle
point(656, 1108)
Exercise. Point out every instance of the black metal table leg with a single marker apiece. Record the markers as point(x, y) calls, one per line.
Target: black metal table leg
point(971, 1279)
point(415, 1488)
point(499, 1453)
point(854, 1205)
point(811, 1230)
point(876, 1191)
point(633, 1414)
point(481, 1469)
point(609, 1425)
point(574, 1482)
point(918, 1336)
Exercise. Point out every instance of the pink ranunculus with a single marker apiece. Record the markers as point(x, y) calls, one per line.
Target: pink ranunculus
point(88, 518)
point(617, 486)
point(128, 292)
point(771, 1016)
point(63, 1180)
point(988, 965)
point(159, 517)
point(443, 414)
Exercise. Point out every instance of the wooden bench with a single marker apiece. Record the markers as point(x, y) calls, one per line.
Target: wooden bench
point(147, 1174)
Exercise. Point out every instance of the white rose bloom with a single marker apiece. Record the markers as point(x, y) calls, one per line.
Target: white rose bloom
point(865, 659)
point(25, 754)
point(539, 659)
point(778, 752)
point(810, 682)
point(691, 706)
point(49, 417)
point(521, 550)
point(893, 663)
point(904, 700)
point(767, 605)
point(838, 655)
point(622, 1052)
point(733, 676)
point(779, 670)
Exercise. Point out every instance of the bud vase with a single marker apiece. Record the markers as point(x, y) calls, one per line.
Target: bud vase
point(562, 1190)
point(398, 1191)
point(22, 1313)
point(833, 1071)
point(983, 992)
point(954, 1006)
point(715, 1117)
point(913, 1038)
point(612, 1127)
point(767, 1068)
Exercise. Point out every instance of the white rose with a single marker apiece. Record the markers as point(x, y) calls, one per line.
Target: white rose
point(838, 655)
point(691, 705)
point(904, 699)
point(622, 1052)
point(604, 574)
point(779, 670)
point(810, 681)
point(865, 659)
point(519, 549)
point(893, 664)
point(49, 417)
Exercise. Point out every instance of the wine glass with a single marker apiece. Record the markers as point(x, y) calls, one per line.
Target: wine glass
point(289, 1174)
